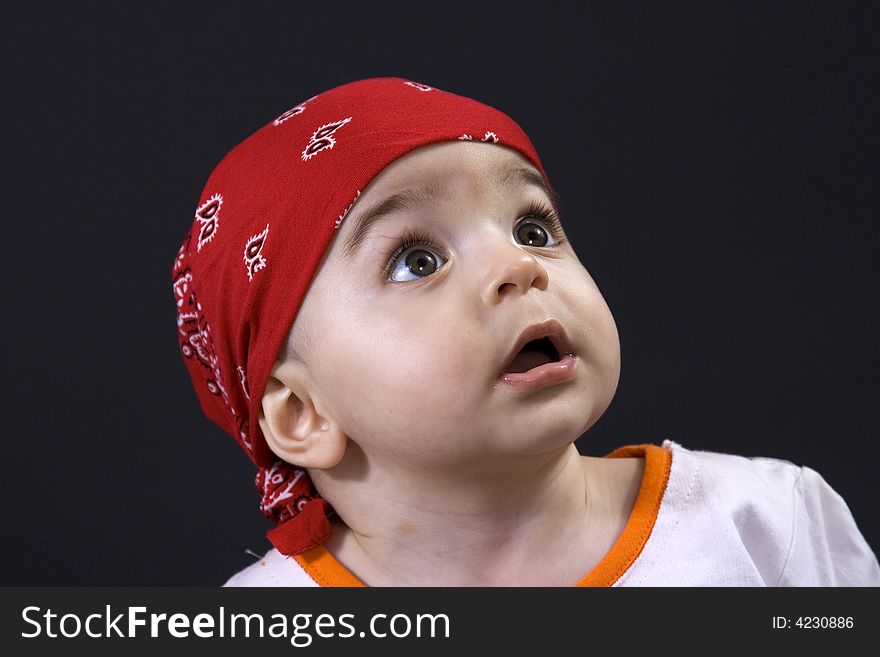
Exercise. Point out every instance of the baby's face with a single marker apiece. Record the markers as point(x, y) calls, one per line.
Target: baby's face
point(407, 342)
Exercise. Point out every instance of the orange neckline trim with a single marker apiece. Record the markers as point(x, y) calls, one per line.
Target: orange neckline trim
point(629, 545)
point(327, 571)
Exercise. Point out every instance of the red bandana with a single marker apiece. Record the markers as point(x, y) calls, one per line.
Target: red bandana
point(239, 281)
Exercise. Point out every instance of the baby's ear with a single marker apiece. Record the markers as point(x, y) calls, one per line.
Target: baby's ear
point(293, 428)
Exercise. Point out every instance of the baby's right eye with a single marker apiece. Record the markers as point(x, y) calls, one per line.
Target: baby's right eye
point(418, 261)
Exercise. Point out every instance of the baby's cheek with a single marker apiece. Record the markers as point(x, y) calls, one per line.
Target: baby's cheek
point(419, 382)
point(418, 388)
point(399, 369)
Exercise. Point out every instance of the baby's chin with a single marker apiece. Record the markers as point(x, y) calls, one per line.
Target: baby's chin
point(564, 408)
point(560, 431)
point(540, 443)
point(520, 441)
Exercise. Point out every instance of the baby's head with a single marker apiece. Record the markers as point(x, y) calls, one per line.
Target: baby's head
point(388, 251)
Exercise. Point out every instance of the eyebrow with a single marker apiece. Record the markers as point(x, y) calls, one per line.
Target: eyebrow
point(422, 196)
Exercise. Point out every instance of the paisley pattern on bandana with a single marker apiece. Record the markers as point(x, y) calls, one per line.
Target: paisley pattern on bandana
point(196, 342)
point(281, 498)
point(293, 111)
point(323, 138)
point(207, 215)
point(253, 253)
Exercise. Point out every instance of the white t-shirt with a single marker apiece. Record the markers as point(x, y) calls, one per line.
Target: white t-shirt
point(700, 519)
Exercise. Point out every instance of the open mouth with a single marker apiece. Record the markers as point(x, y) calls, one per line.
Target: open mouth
point(533, 354)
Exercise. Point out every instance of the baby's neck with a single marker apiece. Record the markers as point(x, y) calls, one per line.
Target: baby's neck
point(543, 525)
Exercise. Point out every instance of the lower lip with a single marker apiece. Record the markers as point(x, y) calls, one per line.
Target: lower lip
point(545, 375)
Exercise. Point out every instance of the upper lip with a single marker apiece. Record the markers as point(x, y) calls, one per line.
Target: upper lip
point(550, 329)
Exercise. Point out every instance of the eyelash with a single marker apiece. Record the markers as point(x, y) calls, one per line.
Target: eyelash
point(535, 210)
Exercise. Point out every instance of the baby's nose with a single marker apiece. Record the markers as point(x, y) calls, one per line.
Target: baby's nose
point(511, 271)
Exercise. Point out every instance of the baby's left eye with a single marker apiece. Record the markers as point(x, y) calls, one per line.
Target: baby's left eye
point(532, 234)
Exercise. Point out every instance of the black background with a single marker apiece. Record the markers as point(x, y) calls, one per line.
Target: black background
point(718, 170)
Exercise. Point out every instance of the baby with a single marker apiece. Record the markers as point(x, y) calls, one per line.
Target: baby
point(378, 301)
